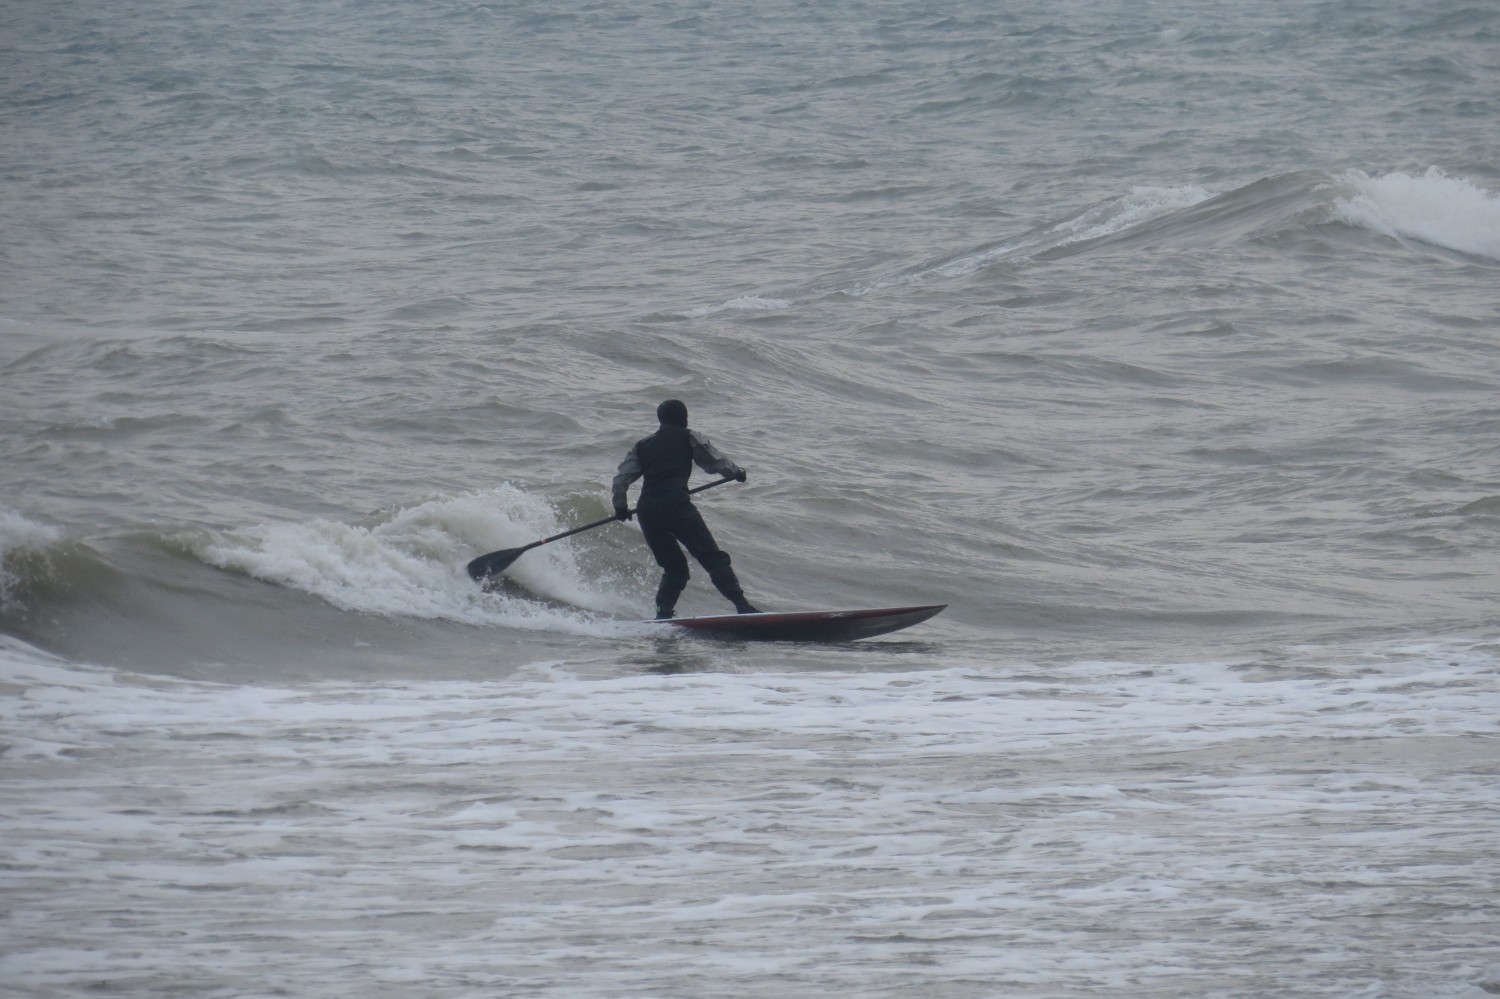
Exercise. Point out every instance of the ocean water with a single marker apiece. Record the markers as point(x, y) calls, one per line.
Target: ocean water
point(1160, 341)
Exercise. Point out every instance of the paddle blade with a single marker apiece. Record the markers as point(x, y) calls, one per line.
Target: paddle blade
point(493, 564)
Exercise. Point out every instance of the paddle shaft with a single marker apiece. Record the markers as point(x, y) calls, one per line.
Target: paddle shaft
point(496, 562)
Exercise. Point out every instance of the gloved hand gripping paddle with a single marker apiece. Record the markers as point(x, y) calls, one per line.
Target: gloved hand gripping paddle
point(493, 564)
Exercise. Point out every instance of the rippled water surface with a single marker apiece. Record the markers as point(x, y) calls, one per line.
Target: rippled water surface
point(1161, 342)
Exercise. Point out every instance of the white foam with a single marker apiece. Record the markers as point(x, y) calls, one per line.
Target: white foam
point(411, 563)
point(1432, 207)
point(958, 825)
point(19, 534)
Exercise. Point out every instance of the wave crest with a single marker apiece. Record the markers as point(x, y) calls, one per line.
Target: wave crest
point(1432, 207)
point(410, 563)
point(21, 540)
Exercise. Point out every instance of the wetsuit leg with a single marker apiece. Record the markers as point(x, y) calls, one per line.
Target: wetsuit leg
point(657, 527)
point(699, 541)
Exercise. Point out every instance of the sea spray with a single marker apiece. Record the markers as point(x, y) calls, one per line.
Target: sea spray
point(410, 563)
point(19, 538)
point(1450, 212)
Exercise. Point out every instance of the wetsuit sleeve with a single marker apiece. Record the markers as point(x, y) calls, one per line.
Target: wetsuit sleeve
point(629, 471)
point(709, 458)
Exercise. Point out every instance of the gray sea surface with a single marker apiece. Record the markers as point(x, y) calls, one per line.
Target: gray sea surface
point(1160, 341)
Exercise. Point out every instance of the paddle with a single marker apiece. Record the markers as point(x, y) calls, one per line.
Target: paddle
point(493, 564)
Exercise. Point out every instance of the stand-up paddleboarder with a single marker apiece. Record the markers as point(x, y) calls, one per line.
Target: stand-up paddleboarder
point(668, 518)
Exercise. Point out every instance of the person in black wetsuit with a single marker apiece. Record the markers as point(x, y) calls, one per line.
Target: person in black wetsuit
point(668, 518)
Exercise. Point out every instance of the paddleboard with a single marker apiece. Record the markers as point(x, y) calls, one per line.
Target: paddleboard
point(806, 626)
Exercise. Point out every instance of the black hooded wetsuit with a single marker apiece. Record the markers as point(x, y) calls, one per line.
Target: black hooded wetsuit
point(667, 516)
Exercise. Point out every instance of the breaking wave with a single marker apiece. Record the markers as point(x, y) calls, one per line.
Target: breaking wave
point(1431, 207)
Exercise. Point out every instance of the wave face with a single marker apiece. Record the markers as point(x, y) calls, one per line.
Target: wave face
point(1158, 340)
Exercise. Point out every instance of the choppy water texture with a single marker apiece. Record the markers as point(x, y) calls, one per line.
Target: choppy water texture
point(1161, 341)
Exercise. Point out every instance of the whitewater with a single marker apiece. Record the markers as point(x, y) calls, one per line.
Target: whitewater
point(1191, 830)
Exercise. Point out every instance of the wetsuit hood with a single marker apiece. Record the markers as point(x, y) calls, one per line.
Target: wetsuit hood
point(673, 412)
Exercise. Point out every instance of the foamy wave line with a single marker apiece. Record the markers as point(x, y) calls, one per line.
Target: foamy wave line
point(411, 563)
point(1433, 207)
point(18, 535)
point(1395, 691)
